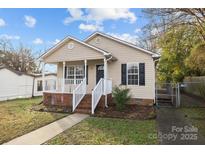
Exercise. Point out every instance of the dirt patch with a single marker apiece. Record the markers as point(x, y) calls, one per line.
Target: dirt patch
point(51, 108)
point(131, 111)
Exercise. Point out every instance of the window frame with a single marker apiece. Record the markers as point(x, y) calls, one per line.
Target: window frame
point(74, 72)
point(127, 74)
point(41, 85)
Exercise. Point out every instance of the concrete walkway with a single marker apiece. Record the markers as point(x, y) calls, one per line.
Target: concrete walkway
point(47, 132)
point(174, 129)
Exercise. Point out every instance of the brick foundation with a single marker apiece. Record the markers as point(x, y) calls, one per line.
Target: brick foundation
point(57, 99)
point(65, 100)
point(101, 104)
point(142, 102)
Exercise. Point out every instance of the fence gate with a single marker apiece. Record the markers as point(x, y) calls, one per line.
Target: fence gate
point(167, 94)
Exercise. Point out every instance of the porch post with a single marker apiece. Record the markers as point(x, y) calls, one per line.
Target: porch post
point(85, 63)
point(63, 82)
point(43, 76)
point(105, 81)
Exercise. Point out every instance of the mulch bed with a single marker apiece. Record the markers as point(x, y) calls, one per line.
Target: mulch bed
point(131, 111)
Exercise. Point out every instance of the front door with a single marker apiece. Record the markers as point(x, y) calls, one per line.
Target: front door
point(99, 72)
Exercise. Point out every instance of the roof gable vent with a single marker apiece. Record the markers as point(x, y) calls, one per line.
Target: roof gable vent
point(70, 46)
point(97, 40)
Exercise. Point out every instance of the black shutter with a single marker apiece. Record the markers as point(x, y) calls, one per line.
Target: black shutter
point(123, 74)
point(142, 74)
point(65, 72)
point(87, 74)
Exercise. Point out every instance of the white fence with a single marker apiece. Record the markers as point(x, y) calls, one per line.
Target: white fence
point(167, 94)
point(78, 93)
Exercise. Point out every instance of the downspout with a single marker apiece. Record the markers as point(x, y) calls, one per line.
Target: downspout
point(106, 105)
point(155, 59)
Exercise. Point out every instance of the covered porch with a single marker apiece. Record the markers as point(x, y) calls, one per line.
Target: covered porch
point(81, 70)
point(75, 80)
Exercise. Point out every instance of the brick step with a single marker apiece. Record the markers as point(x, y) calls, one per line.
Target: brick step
point(84, 107)
point(85, 111)
point(85, 103)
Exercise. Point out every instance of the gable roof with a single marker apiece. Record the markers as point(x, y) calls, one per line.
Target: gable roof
point(52, 49)
point(23, 73)
point(14, 71)
point(118, 40)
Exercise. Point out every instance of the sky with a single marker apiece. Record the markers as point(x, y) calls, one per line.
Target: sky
point(41, 29)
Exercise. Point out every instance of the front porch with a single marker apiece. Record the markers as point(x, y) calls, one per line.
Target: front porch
point(80, 86)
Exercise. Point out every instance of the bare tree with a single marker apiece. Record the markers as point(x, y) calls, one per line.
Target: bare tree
point(19, 58)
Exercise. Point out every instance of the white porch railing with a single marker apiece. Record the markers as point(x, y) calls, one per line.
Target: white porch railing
point(99, 90)
point(78, 93)
point(56, 85)
point(108, 89)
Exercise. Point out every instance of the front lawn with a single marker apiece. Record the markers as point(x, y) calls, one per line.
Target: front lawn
point(108, 131)
point(17, 119)
point(197, 117)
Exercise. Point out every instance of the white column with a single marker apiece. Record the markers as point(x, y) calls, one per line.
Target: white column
point(85, 63)
point(105, 80)
point(63, 79)
point(43, 75)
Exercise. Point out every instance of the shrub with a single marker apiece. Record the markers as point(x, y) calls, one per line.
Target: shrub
point(121, 96)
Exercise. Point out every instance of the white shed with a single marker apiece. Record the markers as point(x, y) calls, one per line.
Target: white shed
point(15, 84)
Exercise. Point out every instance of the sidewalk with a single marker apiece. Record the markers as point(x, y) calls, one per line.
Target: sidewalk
point(49, 131)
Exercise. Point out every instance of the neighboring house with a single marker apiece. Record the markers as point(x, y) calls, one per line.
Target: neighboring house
point(50, 79)
point(15, 84)
point(87, 70)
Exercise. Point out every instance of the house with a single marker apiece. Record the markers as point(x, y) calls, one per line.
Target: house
point(88, 70)
point(15, 84)
point(50, 80)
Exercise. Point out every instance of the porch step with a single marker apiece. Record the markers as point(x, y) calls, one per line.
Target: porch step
point(164, 96)
point(162, 91)
point(85, 104)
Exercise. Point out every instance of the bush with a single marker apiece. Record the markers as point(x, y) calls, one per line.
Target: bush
point(121, 97)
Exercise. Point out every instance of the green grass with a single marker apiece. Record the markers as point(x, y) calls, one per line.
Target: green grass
point(197, 117)
point(108, 131)
point(17, 119)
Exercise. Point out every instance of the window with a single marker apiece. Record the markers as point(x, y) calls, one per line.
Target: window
point(132, 73)
point(76, 73)
point(39, 85)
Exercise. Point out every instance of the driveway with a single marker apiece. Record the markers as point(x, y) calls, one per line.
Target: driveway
point(174, 129)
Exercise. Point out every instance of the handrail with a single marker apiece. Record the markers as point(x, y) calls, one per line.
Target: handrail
point(108, 89)
point(97, 92)
point(78, 93)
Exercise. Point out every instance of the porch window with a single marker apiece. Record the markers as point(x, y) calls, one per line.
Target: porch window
point(133, 73)
point(75, 74)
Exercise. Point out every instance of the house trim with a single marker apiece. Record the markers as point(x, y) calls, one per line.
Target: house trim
point(120, 41)
point(52, 49)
